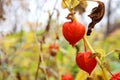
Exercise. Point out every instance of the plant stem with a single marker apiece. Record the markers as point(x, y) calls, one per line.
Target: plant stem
point(41, 59)
point(36, 76)
point(109, 53)
point(98, 60)
point(59, 73)
point(90, 47)
point(84, 44)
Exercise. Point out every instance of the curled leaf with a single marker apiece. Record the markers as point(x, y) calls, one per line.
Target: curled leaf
point(96, 16)
point(71, 15)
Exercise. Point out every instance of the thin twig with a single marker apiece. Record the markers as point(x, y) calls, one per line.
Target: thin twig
point(36, 76)
point(109, 53)
point(41, 59)
point(84, 44)
point(50, 17)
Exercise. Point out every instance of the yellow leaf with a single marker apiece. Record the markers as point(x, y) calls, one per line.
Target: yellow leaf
point(80, 75)
point(69, 3)
point(74, 3)
point(83, 3)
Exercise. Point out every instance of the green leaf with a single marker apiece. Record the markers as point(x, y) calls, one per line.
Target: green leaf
point(60, 55)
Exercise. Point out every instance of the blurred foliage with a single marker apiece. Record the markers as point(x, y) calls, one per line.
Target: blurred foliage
point(19, 56)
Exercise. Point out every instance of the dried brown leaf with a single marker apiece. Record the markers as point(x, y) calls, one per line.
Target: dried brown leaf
point(118, 51)
point(96, 15)
point(119, 56)
point(93, 55)
point(89, 78)
point(71, 15)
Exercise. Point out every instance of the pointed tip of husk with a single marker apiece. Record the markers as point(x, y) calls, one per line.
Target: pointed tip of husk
point(72, 44)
